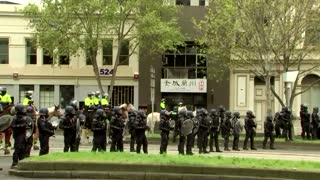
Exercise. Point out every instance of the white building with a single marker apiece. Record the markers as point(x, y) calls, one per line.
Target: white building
point(24, 68)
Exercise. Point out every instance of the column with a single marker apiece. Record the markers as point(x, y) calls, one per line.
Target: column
point(251, 93)
point(136, 96)
point(15, 93)
point(36, 95)
point(56, 94)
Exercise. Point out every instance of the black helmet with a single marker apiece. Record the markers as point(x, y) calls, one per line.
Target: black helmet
point(19, 108)
point(100, 112)
point(164, 113)
point(316, 109)
point(250, 114)
point(228, 114)
point(204, 111)
point(74, 104)
point(269, 117)
point(29, 110)
point(43, 112)
point(175, 109)
point(222, 109)
point(213, 112)
point(236, 114)
point(141, 113)
point(190, 114)
point(70, 110)
point(117, 110)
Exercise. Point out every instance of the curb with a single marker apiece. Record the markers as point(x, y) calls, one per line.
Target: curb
point(100, 170)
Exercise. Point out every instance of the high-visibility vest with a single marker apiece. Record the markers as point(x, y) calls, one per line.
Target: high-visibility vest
point(162, 105)
point(96, 101)
point(6, 98)
point(25, 101)
point(104, 101)
point(88, 101)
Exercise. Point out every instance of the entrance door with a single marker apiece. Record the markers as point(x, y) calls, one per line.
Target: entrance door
point(260, 105)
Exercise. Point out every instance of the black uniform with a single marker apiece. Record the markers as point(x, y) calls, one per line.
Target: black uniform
point(214, 130)
point(236, 130)
point(204, 126)
point(226, 129)
point(165, 130)
point(19, 127)
point(250, 126)
point(268, 132)
point(185, 139)
point(45, 131)
point(99, 130)
point(286, 118)
point(117, 127)
point(132, 115)
point(305, 121)
point(31, 126)
point(69, 125)
point(174, 116)
point(140, 127)
point(315, 123)
point(278, 124)
point(81, 118)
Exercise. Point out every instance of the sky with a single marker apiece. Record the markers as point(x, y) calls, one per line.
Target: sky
point(23, 1)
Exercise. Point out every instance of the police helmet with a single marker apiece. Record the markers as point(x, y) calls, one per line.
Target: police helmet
point(213, 112)
point(43, 112)
point(4, 89)
point(100, 112)
point(204, 111)
point(190, 114)
point(250, 114)
point(163, 99)
point(222, 109)
point(90, 93)
point(117, 110)
point(19, 108)
point(236, 114)
point(104, 95)
point(97, 93)
point(316, 109)
point(74, 104)
point(228, 114)
point(180, 103)
point(269, 117)
point(141, 113)
point(163, 113)
point(29, 110)
point(70, 110)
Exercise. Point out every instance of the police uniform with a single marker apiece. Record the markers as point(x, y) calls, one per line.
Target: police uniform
point(204, 125)
point(250, 126)
point(69, 125)
point(163, 104)
point(99, 131)
point(268, 132)
point(117, 127)
point(132, 116)
point(165, 130)
point(226, 128)
point(140, 127)
point(236, 130)
point(214, 130)
point(30, 126)
point(45, 131)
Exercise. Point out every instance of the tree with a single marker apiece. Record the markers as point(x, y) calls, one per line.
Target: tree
point(266, 37)
point(70, 26)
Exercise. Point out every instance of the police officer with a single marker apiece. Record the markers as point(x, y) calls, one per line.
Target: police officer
point(117, 127)
point(88, 102)
point(132, 115)
point(268, 132)
point(214, 130)
point(69, 125)
point(305, 121)
point(226, 129)
point(27, 98)
point(19, 127)
point(80, 122)
point(104, 100)
point(236, 130)
point(5, 97)
point(250, 127)
point(182, 117)
point(140, 127)
point(190, 136)
point(181, 106)
point(204, 126)
point(162, 104)
point(165, 130)
point(31, 126)
point(88, 112)
point(99, 129)
point(45, 131)
point(315, 122)
point(286, 118)
point(96, 98)
point(278, 124)
point(174, 116)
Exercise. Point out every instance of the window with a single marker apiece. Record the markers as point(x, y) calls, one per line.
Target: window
point(31, 52)
point(47, 58)
point(66, 94)
point(23, 89)
point(88, 60)
point(46, 96)
point(64, 59)
point(202, 2)
point(4, 51)
point(183, 2)
point(124, 53)
point(122, 94)
point(107, 52)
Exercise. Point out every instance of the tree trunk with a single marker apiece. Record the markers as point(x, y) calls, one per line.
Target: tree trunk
point(115, 68)
point(268, 94)
point(93, 54)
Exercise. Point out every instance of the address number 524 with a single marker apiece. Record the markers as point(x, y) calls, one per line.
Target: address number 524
point(106, 71)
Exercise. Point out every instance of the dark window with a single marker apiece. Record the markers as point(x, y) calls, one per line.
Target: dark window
point(191, 60)
point(66, 94)
point(202, 2)
point(4, 51)
point(201, 73)
point(180, 61)
point(201, 61)
point(88, 60)
point(124, 53)
point(192, 73)
point(183, 2)
point(31, 52)
point(47, 58)
point(168, 60)
point(107, 52)
point(64, 59)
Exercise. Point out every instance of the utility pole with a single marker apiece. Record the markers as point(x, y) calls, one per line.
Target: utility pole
point(152, 88)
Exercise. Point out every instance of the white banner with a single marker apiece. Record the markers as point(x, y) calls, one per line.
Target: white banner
point(184, 85)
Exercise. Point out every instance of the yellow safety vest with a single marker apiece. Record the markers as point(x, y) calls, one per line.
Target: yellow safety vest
point(25, 101)
point(96, 101)
point(104, 101)
point(6, 98)
point(163, 105)
point(88, 101)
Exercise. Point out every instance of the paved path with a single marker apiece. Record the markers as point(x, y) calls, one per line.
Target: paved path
point(56, 145)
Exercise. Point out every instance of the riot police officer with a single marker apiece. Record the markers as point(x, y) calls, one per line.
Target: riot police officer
point(104, 100)
point(236, 130)
point(305, 121)
point(96, 98)
point(19, 127)
point(45, 131)
point(268, 132)
point(250, 127)
point(69, 125)
point(80, 117)
point(28, 97)
point(315, 122)
point(31, 129)
point(140, 127)
point(174, 116)
point(226, 128)
point(132, 115)
point(165, 130)
point(99, 129)
point(214, 130)
point(204, 125)
point(117, 127)
point(286, 118)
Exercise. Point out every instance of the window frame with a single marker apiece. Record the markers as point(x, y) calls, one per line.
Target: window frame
point(29, 54)
point(107, 54)
point(6, 52)
point(124, 58)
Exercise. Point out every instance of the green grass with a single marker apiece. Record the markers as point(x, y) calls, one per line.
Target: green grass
point(179, 160)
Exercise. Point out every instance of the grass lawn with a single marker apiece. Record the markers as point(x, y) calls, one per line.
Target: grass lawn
point(179, 160)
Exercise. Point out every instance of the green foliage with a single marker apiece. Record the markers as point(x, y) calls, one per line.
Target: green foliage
point(167, 159)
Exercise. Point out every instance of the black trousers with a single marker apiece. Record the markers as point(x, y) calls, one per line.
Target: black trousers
point(99, 142)
point(287, 131)
point(117, 141)
point(141, 141)
point(305, 129)
point(235, 144)
point(69, 141)
point(315, 132)
point(78, 139)
point(19, 149)
point(164, 141)
point(175, 133)
point(266, 137)
point(226, 136)
point(249, 135)
point(214, 137)
point(29, 144)
point(132, 140)
point(44, 144)
point(278, 127)
point(203, 140)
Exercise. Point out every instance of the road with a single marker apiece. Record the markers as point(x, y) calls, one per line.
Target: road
point(56, 145)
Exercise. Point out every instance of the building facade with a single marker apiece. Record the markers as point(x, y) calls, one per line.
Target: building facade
point(25, 67)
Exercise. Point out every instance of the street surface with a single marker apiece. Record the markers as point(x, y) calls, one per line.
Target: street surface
point(56, 145)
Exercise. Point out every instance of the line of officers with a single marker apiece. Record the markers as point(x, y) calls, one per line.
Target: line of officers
point(211, 124)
